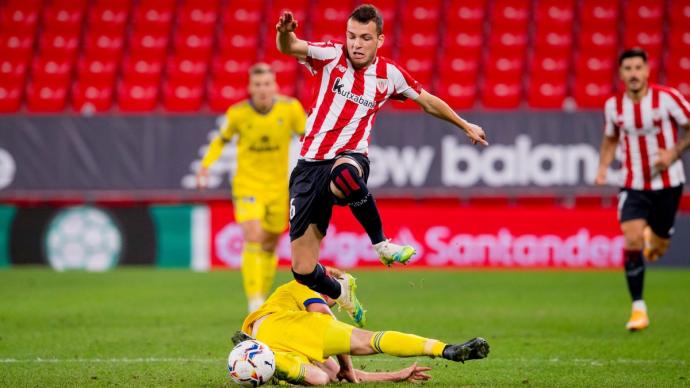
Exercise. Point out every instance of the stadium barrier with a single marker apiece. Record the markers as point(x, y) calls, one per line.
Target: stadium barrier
point(447, 234)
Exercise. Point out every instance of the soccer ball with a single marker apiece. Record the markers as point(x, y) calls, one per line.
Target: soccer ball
point(251, 363)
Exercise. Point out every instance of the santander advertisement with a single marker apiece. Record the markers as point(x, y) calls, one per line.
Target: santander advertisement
point(450, 235)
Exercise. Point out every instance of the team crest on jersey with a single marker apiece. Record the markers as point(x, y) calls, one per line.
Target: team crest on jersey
point(381, 85)
point(341, 68)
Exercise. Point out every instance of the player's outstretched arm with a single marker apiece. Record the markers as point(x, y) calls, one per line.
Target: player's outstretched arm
point(413, 372)
point(607, 152)
point(439, 108)
point(215, 148)
point(286, 40)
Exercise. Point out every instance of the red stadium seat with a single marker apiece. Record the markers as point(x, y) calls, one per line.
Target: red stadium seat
point(59, 45)
point(330, 14)
point(423, 15)
point(105, 18)
point(222, 95)
point(679, 81)
point(550, 68)
point(46, 98)
point(459, 95)
point(239, 44)
point(193, 45)
point(182, 97)
point(197, 18)
point(137, 97)
point(508, 41)
point(12, 71)
point(19, 19)
point(299, 9)
point(148, 45)
point(422, 44)
point(466, 14)
point(228, 69)
point(647, 14)
point(88, 98)
point(595, 41)
point(510, 14)
point(153, 19)
point(458, 69)
point(142, 70)
point(103, 45)
point(502, 95)
point(388, 10)
point(161, 4)
point(420, 67)
point(242, 15)
point(17, 46)
point(599, 68)
point(599, 14)
point(553, 41)
point(555, 15)
point(592, 94)
point(10, 97)
point(679, 39)
point(504, 68)
point(466, 43)
point(327, 32)
point(545, 94)
point(188, 71)
point(97, 71)
point(51, 72)
point(649, 39)
point(678, 65)
point(679, 14)
point(65, 20)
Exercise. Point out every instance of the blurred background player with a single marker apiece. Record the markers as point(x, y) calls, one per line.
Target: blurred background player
point(643, 120)
point(300, 328)
point(354, 85)
point(264, 125)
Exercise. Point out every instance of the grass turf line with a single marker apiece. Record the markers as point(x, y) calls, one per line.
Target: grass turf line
point(148, 327)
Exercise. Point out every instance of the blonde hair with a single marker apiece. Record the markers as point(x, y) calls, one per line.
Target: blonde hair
point(260, 68)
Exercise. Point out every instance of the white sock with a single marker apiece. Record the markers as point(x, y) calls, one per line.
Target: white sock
point(639, 305)
point(255, 303)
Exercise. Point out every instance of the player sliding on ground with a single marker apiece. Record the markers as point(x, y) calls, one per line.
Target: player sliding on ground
point(299, 327)
point(353, 83)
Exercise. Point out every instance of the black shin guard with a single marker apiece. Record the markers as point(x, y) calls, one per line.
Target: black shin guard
point(634, 273)
point(362, 204)
point(319, 281)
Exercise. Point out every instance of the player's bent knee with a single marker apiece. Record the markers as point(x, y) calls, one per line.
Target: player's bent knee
point(315, 376)
point(347, 185)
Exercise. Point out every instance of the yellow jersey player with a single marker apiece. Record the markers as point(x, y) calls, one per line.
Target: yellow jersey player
point(299, 327)
point(264, 125)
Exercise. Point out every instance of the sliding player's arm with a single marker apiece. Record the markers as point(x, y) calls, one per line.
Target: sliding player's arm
point(286, 40)
point(439, 108)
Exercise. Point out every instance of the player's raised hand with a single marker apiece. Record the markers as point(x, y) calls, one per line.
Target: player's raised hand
point(286, 23)
point(476, 133)
point(202, 178)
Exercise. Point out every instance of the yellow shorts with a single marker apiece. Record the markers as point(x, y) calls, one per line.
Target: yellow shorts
point(272, 212)
point(299, 338)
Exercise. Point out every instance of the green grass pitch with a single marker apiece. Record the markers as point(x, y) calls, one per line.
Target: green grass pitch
point(147, 327)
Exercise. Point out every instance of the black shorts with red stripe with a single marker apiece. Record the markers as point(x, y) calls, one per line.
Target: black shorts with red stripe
point(311, 200)
point(657, 207)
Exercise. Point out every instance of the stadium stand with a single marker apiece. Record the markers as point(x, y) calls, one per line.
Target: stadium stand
point(185, 55)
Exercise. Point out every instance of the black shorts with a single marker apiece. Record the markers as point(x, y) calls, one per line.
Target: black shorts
point(658, 207)
point(311, 200)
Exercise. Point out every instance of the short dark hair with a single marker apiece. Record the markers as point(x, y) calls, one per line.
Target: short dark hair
point(632, 53)
point(366, 13)
point(260, 68)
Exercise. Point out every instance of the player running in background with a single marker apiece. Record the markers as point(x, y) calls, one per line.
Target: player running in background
point(264, 125)
point(353, 83)
point(643, 120)
point(299, 327)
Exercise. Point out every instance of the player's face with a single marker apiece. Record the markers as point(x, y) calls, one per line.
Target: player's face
point(262, 89)
point(362, 42)
point(634, 73)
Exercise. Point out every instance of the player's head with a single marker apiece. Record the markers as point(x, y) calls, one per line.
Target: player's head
point(633, 69)
point(262, 85)
point(364, 35)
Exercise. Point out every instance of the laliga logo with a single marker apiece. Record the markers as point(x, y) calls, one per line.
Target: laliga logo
point(7, 168)
point(228, 243)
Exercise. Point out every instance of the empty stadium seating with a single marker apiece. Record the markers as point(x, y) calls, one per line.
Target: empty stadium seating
point(191, 55)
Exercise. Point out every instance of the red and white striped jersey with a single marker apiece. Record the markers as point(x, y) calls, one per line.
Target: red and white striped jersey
point(346, 100)
point(643, 129)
